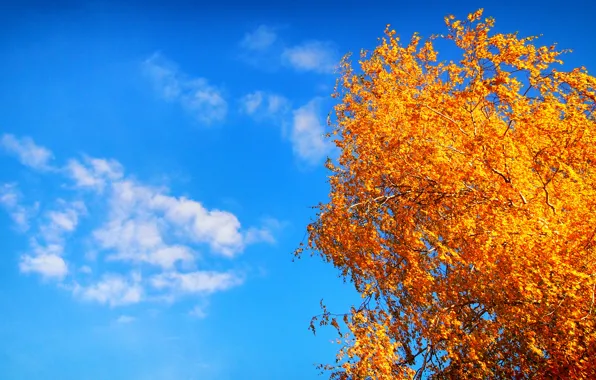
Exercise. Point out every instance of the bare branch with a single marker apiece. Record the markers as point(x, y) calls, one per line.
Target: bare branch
point(505, 178)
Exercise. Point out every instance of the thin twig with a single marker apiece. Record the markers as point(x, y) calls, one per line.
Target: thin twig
point(592, 304)
point(447, 118)
point(523, 198)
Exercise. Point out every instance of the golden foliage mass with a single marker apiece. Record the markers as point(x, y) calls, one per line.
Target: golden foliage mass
point(463, 209)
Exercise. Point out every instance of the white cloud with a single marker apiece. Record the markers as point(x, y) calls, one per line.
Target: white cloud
point(317, 56)
point(27, 151)
point(219, 229)
point(204, 282)
point(47, 265)
point(139, 229)
point(166, 257)
point(82, 176)
point(259, 39)
point(141, 217)
point(63, 219)
point(308, 134)
point(139, 240)
point(204, 101)
point(113, 289)
point(125, 319)
point(67, 219)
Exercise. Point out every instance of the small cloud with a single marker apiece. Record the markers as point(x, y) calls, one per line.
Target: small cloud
point(82, 175)
point(47, 265)
point(113, 289)
point(308, 134)
point(269, 228)
point(199, 98)
point(254, 235)
point(261, 48)
point(264, 105)
point(28, 153)
point(67, 218)
point(93, 173)
point(125, 319)
point(249, 103)
point(47, 246)
point(9, 195)
point(277, 104)
point(198, 312)
point(316, 56)
point(10, 198)
point(259, 39)
point(50, 240)
point(199, 282)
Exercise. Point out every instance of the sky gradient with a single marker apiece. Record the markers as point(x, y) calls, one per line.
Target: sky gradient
point(159, 164)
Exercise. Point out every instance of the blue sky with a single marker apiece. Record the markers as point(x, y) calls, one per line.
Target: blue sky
point(159, 163)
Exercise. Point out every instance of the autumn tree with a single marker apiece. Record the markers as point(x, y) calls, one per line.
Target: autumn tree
point(463, 209)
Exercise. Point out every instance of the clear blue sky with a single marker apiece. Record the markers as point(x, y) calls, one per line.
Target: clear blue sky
point(158, 163)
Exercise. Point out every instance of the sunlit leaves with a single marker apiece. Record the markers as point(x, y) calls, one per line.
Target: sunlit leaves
point(463, 208)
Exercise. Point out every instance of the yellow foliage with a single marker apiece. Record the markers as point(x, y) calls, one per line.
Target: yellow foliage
point(463, 208)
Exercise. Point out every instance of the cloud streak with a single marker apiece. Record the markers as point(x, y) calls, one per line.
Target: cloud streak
point(205, 102)
point(10, 199)
point(260, 39)
point(263, 105)
point(264, 49)
point(316, 56)
point(26, 151)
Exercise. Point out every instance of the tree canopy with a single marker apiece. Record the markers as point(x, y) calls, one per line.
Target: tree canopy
point(463, 209)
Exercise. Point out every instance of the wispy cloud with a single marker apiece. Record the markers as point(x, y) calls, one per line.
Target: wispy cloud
point(201, 99)
point(261, 48)
point(260, 39)
point(264, 105)
point(93, 173)
point(201, 282)
point(113, 290)
point(317, 56)
point(264, 49)
point(146, 239)
point(198, 312)
point(27, 151)
point(47, 244)
point(308, 134)
point(125, 319)
point(10, 199)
